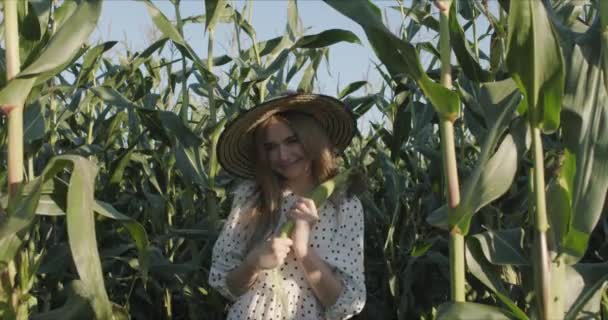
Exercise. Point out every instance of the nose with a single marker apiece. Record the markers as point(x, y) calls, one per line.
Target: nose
point(282, 152)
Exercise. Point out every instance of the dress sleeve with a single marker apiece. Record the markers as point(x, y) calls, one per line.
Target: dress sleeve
point(349, 262)
point(229, 249)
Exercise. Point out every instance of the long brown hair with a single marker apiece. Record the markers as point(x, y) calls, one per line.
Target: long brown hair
point(263, 217)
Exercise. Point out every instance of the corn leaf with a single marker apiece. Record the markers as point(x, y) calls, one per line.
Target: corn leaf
point(585, 283)
point(535, 61)
point(214, 10)
point(326, 38)
point(470, 310)
point(61, 48)
point(399, 57)
point(76, 306)
point(488, 248)
point(586, 137)
point(464, 55)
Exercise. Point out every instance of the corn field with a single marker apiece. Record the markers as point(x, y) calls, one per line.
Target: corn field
point(486, 178)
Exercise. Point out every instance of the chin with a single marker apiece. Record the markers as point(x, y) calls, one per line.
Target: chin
point(292, 173)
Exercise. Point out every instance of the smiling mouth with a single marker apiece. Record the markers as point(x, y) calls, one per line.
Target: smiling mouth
point(287, 165)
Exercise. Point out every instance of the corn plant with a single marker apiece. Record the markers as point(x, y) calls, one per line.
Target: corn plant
point(122, 198)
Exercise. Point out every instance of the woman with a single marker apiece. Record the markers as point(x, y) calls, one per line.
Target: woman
point(285, 148)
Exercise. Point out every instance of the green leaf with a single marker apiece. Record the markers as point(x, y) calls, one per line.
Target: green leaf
point(80, 223)
point(21, 209)
point(169, 128)
point(470, 310)
point(148, 52)
point(64, 11)
point(42, 8)
point(163, 24)
point(113, 97)
point(135, 229)
point(214, 10)
point(585, 135)
point(119, 166)
point(76, 306)
point(82, 235)
point(34, 126)
point(307, 81)
point(464, 55)
point(466, 9)
point(350, 88)
point(399, 57)
point(187, 161)
point(61, 48)
point(535, 61)
point(170, 31)
point(585, 283)
point(163, 124)
point(559, 197)
point(91, 61)
point(326, 38)
point(109, 132)
point(9, 245)
point(69, 38)
point(294, 24)
point(277, 64)
point(503, 247)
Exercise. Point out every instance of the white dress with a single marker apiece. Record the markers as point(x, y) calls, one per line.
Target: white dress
point(337, 240)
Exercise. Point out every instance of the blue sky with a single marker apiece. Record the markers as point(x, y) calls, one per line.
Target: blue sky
point(129, 23)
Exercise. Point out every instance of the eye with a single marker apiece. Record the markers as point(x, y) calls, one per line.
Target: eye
point(269, 146)
point(293, 139)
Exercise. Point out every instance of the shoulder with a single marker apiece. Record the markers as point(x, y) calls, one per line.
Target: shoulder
point(346, 202)
point(245, 187)
point(351, 202)
point(245, 193)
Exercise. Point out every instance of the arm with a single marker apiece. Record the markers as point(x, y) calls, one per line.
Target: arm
point(241, 278)
point(268, 254)
point(229, 249)
point(340, 284)
point(324, 283)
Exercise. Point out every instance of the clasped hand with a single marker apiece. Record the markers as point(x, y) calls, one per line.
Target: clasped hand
point(272, 252)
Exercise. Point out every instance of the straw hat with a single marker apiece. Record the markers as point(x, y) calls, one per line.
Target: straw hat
point(235, 149)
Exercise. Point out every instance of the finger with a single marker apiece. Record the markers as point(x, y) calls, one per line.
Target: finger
point(286, 242)
point(282, 252)
point(296, 212)
point(279, 242)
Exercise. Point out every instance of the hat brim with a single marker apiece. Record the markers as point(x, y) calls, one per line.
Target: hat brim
point(235, 148)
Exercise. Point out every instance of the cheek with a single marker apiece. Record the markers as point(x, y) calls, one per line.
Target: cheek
point(272, 155)
point(297, 149)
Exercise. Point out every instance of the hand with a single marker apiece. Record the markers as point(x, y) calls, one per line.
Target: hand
point(305, 216)
point(269, 254)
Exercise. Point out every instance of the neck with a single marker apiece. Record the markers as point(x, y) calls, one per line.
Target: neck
point(301, 186)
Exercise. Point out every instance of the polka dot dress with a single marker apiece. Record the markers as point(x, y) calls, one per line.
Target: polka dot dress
point(337, 239)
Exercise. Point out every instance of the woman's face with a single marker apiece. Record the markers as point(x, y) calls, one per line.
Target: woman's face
point(285, 152)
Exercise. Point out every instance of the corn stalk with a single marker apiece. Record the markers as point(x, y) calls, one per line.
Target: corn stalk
point(456, 240)
point(213, 167)
point(15, 134)
point(15, 112)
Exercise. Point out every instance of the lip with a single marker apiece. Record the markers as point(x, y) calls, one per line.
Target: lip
point(287, 165)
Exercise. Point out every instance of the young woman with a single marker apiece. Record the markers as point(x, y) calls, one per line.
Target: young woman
point(284, 148)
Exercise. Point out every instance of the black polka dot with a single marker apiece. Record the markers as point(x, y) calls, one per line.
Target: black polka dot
point(337, 238)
